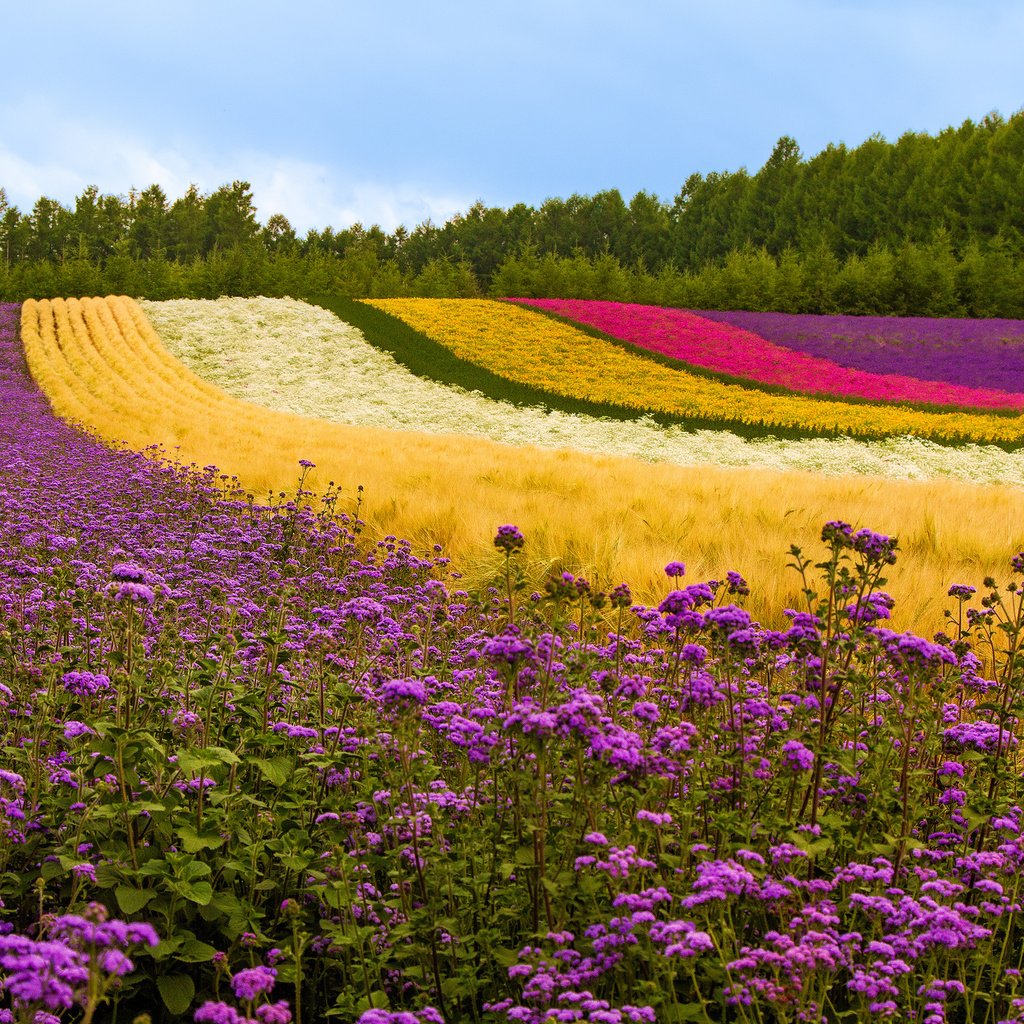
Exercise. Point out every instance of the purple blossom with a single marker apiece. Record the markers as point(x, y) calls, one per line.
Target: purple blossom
point(403, 692)
point(509, 539)
point(253, 982)
point(796, 756)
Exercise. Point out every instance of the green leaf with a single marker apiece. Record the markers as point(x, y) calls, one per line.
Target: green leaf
point(276, 770)
point(195, 892)
point(132, 900)
point(196, 952)
point(377, 1000)
point(504, 957)
point(195, 869)
point(194, 842)
point(177, 991)
point(166, 947)
point(191, 760)
point(682, 1012)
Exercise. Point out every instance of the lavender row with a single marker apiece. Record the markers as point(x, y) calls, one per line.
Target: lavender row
point(973, 353)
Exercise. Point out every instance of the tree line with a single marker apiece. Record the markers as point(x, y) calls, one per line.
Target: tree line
point(927, 225)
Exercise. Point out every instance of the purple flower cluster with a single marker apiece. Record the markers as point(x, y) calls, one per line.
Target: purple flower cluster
point(313, 743)
point(82, 957)
point(976, 353)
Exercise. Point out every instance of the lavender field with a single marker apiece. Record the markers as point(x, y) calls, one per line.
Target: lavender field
point(257, 767)
point(977, 353)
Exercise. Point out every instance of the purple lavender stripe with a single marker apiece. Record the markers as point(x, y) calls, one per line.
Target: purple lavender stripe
point(976, 353)
point(118, 505)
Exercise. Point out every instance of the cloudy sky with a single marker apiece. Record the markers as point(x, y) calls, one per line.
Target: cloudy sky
point(393, 111)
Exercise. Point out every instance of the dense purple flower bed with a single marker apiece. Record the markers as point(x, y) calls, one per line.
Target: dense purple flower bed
point(973, 353)
point(328, 779)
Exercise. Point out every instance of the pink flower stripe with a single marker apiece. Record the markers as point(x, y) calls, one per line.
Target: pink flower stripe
point(711, 345)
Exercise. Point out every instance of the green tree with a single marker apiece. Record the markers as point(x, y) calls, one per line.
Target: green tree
point(230, 216)
point(278, 235)
point(150, 225)
point(186, 226)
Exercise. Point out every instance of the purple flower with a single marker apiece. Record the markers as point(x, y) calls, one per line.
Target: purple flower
point(737, 584)
point(403, 692)
point(252, 982)
point(509, 539)
point(837, 533)
point(85, 684)
point(674, 569)
point(796, 756)
point(877, 548)
point(134, 593)
point(508, 648)
point(728, 618)
point(218, 1013)
point(274, 1013)
point(984, 736)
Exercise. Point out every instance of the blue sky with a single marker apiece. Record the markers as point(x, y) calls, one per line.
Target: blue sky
point(392, 111)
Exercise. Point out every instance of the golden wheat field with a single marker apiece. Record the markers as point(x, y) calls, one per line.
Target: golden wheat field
point(101, 364)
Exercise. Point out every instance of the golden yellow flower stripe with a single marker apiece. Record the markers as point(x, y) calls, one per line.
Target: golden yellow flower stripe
point(530, 348)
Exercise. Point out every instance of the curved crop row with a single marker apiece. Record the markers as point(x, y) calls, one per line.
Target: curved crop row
point(722, 347)
point(527, 346)
point(972, 353)
point(294, 357)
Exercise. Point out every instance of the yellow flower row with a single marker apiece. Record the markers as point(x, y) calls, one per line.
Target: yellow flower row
point(530, 348)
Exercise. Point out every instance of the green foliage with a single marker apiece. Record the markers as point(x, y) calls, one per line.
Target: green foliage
point(928, 225)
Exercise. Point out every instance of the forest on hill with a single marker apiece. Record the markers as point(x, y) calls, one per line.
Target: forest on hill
point(927, 225)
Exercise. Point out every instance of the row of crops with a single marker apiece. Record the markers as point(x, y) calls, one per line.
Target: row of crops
point(558, 357)
point(262, 763)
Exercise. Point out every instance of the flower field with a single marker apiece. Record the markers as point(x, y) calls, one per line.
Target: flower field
point(607, 518)
point(726, 347)
point(260, 766)
point(296, 358)
point(972, 353)
point(518, 343)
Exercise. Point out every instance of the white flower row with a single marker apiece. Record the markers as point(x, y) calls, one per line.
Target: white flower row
point(291, 356)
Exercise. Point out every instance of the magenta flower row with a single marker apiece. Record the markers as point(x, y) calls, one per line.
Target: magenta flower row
point(729, 349)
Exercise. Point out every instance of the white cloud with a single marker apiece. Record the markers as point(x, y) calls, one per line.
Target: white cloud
point(310, 195)
point(59, 156)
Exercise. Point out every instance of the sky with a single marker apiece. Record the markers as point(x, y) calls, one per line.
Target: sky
point(399, 111)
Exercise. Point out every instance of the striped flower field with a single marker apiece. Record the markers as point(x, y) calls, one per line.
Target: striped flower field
point(973, 353)
point(296, 358)
point(512, 341)
point(719, 343)
point(264, 761)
